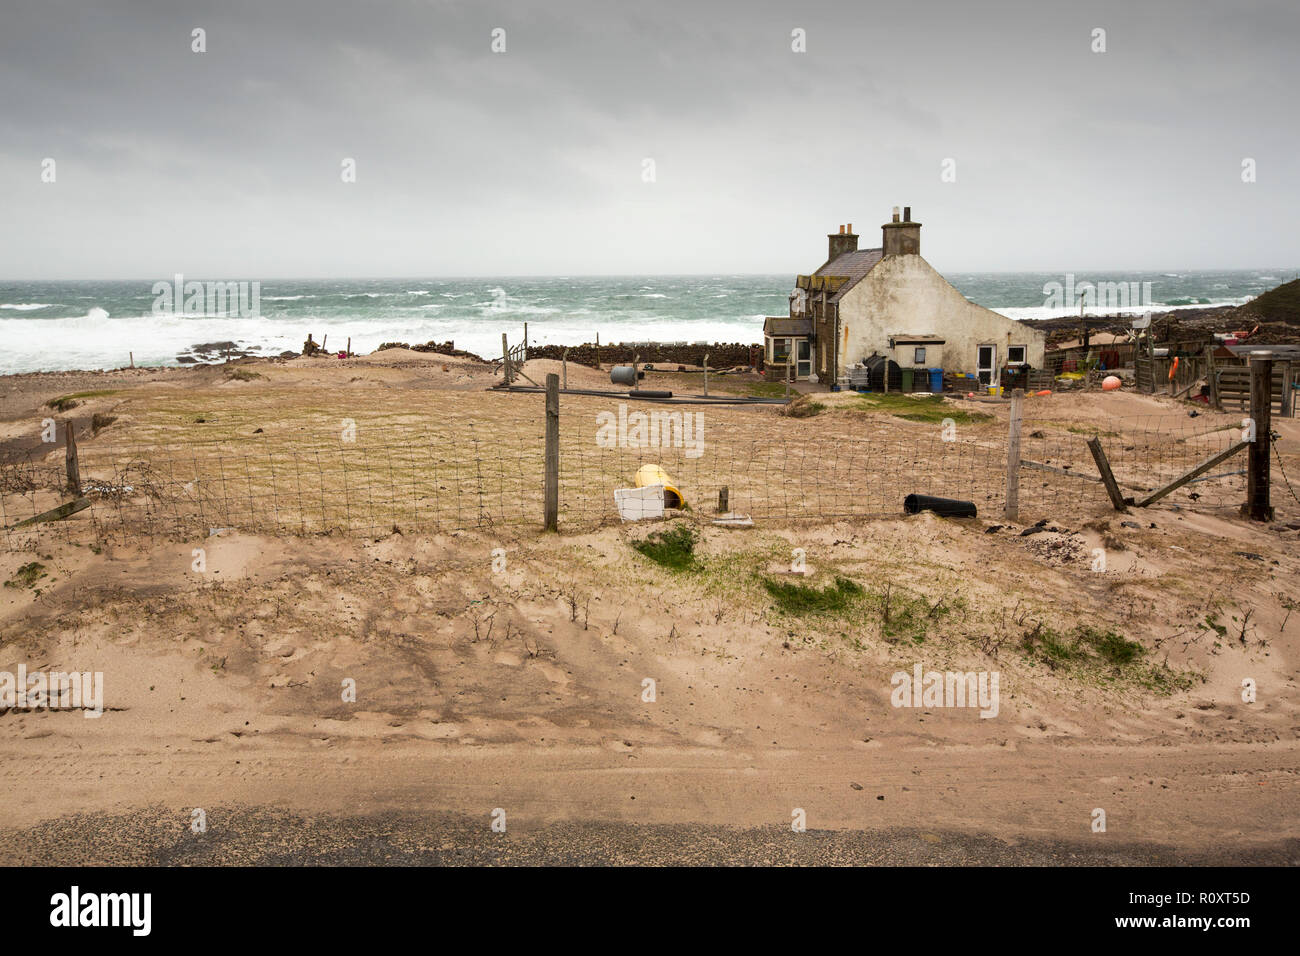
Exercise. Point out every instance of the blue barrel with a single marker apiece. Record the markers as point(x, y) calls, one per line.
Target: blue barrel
point(936, 380)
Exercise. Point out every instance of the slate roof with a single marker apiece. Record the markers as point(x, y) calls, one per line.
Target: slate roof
point(852, 265)
point(784, 326)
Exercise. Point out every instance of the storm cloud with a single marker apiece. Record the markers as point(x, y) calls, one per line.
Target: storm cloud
point(532, 160)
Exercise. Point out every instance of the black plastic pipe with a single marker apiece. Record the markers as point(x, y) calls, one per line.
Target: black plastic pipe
point(944, 507)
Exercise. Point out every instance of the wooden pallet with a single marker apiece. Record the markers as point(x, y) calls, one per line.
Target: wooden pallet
point(1234, 388)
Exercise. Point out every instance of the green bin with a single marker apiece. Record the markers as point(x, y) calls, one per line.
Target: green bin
point(908, 376)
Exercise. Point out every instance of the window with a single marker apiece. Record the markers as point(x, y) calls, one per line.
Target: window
point(780, 351)
point(918, 357)
point(1016, 355)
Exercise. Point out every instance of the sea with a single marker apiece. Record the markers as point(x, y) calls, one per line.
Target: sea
point(95, 324)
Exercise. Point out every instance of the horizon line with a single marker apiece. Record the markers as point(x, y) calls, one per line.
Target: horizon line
point(1295, 270)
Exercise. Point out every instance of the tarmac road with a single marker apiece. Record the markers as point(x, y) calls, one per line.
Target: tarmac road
point(264, 836)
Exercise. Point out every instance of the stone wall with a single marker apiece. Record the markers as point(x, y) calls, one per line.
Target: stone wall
point(720, 355)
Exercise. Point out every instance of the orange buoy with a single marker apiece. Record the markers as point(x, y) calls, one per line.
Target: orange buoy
point(1043, 393)
point(1111, 383)
point(1173, 367)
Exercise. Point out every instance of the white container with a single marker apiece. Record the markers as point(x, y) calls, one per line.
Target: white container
point(637, 504)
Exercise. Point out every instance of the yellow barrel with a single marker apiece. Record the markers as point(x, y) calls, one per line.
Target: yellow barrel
point(654, 475)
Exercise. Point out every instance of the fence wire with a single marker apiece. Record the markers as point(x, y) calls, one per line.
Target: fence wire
point(491, 474)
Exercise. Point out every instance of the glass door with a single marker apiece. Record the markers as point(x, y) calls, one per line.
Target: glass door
point(803, 359)
point(986, 364)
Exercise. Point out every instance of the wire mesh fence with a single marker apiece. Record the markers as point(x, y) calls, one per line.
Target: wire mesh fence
point(490, 473)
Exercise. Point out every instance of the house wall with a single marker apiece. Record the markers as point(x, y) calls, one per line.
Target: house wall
point(904, 295)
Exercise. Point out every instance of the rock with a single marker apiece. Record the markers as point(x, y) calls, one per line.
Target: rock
point(282, 650)
point(1130, 524)
point(856, 786)
point(1034, 530)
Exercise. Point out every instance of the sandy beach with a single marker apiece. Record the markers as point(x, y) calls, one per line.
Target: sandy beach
point(498, 668)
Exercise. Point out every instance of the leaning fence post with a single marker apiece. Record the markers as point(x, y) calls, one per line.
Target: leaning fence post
point(1107, 476)
point(505, 357)
point(1257, 505)
point(551, 489)
point(73, 465)
point(1012, 510)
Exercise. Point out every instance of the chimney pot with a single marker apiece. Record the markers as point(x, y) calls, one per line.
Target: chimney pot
point(841, 242)
point(900, 238)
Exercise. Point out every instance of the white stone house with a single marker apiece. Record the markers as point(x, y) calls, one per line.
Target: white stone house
point(890, 301)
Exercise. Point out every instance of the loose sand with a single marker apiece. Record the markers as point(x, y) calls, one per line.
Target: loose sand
point(521, 687)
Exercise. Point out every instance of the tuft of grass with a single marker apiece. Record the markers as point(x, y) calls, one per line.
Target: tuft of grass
point(765, 389)
point(27, 575)
point(920, 408)
point(802, 407)
point(673, 549)
point(65, 402)
point(1086, 646)
point(806, 599)
point(243, 374)
point(99, 421)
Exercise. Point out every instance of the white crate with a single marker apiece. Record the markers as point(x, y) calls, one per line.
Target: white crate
point(637, 504)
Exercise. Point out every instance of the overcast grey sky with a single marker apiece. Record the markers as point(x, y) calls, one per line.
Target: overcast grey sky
point(228, 163)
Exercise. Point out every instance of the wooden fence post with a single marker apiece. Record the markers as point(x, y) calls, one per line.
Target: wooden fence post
point(525, 355)
point(73, 465)
point(1257, 505)
point(1107, 476)
point(564, 367)
point(706, 374)
point(597, 350)
point(1212, 374)
point(1012, 510)
point(724, 496)
point(505, 357)
point(551, 489)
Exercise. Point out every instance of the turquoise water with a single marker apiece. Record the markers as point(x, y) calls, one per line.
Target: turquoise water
point(88, 324)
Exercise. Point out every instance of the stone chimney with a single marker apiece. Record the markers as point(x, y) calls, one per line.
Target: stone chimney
point(846, 240)
point(901, 238)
